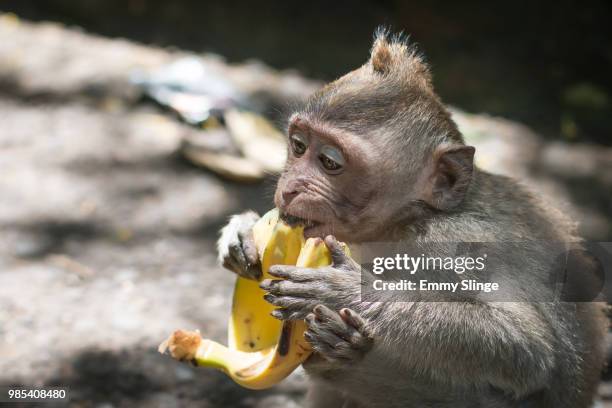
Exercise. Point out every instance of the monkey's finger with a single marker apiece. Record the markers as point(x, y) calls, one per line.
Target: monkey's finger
point(336, 251)
point(248, 247)
point(330, 347)
point(237, 254)
point(352, 318)
point(350, 338)
point(326, 320)
point(330, 319)
point(287, 302)
point(293, 312)
point(232, 264)
point(362, 337)
point(238, 263)
point(322, 348)
point(323, 320)
point(288, 288)
point(294, 273)
point(319, 346)
point(235, 262)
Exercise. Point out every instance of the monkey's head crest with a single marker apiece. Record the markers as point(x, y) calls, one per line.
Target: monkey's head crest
point(393, 55)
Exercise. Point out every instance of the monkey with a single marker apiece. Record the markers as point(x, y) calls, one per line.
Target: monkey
point(375, 156)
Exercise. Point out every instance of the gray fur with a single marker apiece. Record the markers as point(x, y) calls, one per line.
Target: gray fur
point(476, 353)
point(422, 353)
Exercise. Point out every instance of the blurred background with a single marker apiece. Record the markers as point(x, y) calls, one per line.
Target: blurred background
point(131, 130)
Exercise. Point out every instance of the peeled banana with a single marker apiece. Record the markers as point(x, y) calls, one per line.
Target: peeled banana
point(261, 350)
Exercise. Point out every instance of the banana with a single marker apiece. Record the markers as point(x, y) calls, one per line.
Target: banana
point(261, 350)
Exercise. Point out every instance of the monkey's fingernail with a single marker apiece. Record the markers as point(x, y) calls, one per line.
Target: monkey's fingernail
point(268, 297)
point(276, 314)
point(265, 284)
point(275, 271)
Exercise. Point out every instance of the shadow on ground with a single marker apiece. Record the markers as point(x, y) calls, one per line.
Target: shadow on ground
point(142, 377)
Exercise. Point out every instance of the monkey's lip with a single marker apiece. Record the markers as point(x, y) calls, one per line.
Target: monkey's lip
point(316, 231)
point(312, 228)
point(296, 220)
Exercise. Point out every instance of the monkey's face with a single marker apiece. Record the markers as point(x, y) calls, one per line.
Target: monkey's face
point(330, 182)
point(373, 152)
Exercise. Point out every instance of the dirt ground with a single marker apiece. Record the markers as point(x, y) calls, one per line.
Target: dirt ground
point(107, 234)
point(107, 240)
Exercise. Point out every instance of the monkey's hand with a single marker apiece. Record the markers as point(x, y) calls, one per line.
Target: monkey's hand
point(339, 338)
point(236, 247)
point(322, 296)
point(300, 289)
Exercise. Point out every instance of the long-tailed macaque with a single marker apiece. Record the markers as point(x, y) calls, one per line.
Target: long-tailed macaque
point(375, 156)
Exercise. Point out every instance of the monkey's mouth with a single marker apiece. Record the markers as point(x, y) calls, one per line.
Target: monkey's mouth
point(294, 220)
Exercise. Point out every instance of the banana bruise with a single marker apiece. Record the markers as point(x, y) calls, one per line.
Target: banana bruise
point(261, 350)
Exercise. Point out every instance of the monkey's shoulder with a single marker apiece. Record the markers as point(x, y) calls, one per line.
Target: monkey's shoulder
point(511, 210)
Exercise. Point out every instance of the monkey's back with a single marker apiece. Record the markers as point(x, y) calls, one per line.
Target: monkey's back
point(511, 212)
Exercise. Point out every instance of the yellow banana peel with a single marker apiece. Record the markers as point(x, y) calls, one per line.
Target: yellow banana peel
point(261, 350)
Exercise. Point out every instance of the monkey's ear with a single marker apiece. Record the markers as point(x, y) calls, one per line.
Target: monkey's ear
point(450, 176)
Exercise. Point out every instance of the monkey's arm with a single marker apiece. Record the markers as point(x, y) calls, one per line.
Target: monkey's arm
point(236, 247)
point(453, 345)
point(507, 345)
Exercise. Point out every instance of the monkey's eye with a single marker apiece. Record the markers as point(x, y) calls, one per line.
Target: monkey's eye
point(331, 159)
point(299, 144)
